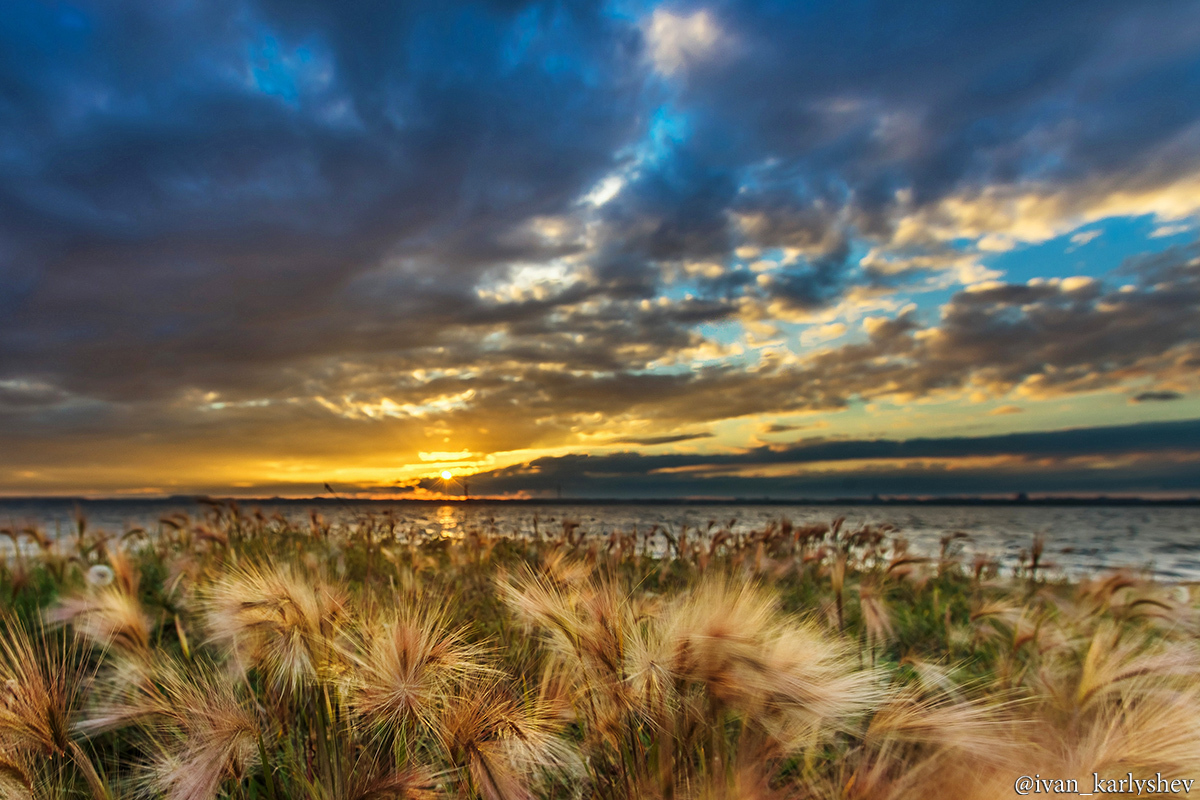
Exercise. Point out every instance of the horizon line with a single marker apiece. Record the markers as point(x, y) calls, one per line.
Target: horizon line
point(326, 499)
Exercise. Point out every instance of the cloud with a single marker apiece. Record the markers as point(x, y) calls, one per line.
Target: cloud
point(778, 427)
point(191, 201)
point(985, 141)
point(1156, 397)
point(1002, 410)
point(1040, 339)
point(657, 440)
point(529, 381)
point(675, 40)
point(271, 234)
point(1150, 457)
point(1171, 230)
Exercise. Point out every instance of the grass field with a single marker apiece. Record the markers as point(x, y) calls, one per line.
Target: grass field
point(240, 656)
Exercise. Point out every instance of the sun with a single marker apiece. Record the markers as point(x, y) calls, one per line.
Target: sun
point(446, 475)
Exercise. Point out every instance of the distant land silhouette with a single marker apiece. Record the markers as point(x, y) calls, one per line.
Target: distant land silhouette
point(1013, 500)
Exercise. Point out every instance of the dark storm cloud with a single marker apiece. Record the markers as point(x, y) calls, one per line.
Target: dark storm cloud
point(841, 120)
point(1146, 477)
point(718, 475)
point(190, 185)
point(833, 122)
point(978, 79)
point(299, 206)
point(1156, 397)
point(207, 184)
point(676, 209)
point(814, 283)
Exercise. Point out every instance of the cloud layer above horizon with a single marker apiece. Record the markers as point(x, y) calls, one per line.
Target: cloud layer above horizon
point(253, 246)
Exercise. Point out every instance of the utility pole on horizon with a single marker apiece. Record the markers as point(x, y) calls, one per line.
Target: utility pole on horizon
point(448, 478)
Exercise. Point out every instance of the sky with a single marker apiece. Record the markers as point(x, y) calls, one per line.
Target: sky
point(602, 249)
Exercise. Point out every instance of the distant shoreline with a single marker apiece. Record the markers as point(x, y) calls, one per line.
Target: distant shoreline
point(1099, 500)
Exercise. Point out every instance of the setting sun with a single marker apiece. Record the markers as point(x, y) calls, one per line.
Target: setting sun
point(446, 475)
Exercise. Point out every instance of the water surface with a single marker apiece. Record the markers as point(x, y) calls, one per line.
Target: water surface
point(1080, 539)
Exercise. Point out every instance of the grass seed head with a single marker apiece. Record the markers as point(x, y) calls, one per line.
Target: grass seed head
point(278, 621)
point(42, 680)
point(108, 617)
point(411, 667)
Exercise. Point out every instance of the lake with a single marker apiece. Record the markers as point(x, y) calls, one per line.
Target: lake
point(1080, 539)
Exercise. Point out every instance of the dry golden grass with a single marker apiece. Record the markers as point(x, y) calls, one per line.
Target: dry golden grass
point(272, 618)
point(242, 656)
point(409, 666)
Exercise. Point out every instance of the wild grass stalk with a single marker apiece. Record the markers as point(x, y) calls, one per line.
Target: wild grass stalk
point(240, 655)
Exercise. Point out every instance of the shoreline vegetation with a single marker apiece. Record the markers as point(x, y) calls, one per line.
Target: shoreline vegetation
point(245, 656)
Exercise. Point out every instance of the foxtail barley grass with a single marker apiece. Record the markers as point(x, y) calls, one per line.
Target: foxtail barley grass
point(247, 657)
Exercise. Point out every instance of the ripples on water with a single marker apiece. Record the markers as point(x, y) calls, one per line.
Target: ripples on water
point(1079, 539)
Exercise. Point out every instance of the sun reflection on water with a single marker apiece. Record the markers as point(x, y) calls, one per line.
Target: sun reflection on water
point(447, 520)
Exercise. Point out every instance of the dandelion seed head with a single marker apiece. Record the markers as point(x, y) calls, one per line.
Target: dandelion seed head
point(99, 575)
